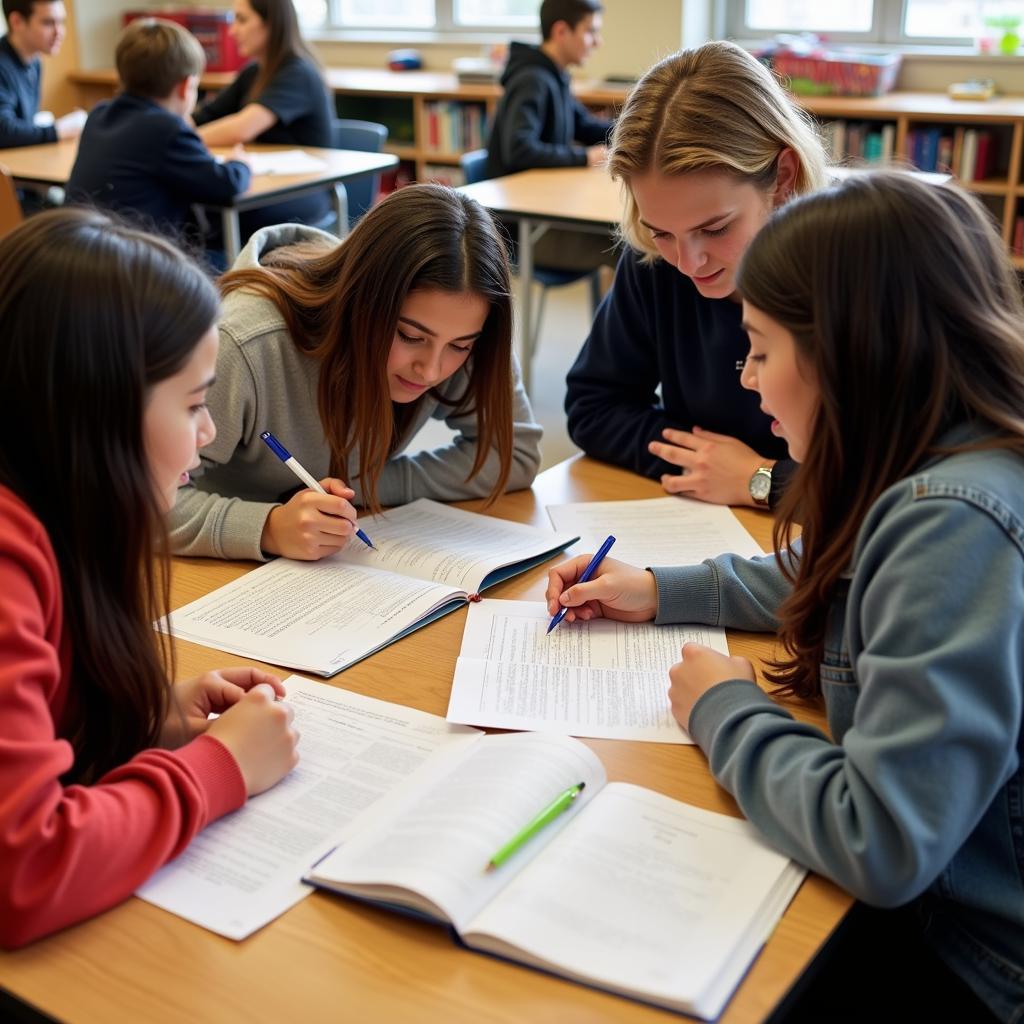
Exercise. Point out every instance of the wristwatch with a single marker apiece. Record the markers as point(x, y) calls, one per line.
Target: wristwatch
point(760, 485)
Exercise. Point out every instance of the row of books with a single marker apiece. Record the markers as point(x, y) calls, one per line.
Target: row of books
point(968, 153)
point(454, 127)
point(865, 141)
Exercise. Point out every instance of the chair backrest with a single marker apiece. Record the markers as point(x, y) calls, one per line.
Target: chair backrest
point(10, 209)
point(366, 137)
point(474, 165)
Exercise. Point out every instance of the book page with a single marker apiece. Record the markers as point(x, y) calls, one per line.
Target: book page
point(431, 541)
point(317, 616)
point(437, 838)
point(601, 678)
point(245, 869)
point(644, 895)
point(285, 161)
point(656, 531)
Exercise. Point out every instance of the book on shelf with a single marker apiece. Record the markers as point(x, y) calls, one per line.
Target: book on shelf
point(322, 617)
point(627, 890)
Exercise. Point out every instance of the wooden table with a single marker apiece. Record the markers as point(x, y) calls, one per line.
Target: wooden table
point(581, 198)
point(51, 163)
point(328, 959)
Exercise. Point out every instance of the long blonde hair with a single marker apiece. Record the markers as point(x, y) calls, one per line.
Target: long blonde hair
point(712, 107)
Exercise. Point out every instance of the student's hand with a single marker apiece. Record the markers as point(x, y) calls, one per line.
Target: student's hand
point(70, 125)
point(258, 732)
point(239, 155)
point(311, 525)
point(597, 156)
point(617, 591)
point(212, 693)
point(699, 671)
point(714, 467)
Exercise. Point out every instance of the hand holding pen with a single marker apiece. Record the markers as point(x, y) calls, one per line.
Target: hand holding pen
point(611, 589)
point(313, 523)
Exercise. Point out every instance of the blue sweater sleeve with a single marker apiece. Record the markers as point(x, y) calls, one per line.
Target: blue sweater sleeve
point(611, 397)
point(16, 130)
point(521, 127)
point(190, 169)
point(937, 633)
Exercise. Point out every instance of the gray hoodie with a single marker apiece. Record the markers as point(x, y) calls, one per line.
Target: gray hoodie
point(264, 382)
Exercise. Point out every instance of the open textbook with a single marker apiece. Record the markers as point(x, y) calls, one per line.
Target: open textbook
point(657, 531)
point(598, 678)
point(627, 891)
point(246, 868)
point(324, 616)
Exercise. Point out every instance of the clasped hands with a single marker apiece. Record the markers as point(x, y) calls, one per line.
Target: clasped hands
point(622, 592)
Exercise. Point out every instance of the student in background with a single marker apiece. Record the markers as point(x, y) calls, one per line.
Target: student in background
point(707, 146)
point(33, 27)
point(138, 155)
point(107, 770)
point(343, 351)
point(279, 98)
point(539, 123)
point(887, 337)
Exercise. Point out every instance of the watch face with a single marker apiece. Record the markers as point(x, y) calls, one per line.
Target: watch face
point(760, 485)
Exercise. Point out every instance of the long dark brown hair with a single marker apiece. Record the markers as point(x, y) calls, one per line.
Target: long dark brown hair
point(284, 40)
point(342, 307)
point(906, 313)
point(95, 314)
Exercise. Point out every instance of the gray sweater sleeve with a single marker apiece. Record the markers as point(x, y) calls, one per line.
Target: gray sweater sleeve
point(441, 473)
point(936, 631)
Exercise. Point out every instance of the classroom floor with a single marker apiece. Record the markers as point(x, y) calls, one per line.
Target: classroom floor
point(565, 326)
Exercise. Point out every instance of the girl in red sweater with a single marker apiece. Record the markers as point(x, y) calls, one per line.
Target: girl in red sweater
point(107, 770)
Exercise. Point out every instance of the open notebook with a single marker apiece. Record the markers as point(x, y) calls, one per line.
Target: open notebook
point(628, 891)
point(324, 616)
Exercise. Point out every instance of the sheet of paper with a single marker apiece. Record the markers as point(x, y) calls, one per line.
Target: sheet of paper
point(656, 531)
point(644, 894)
point(245, 869)
point(600, 678)
point(436, 838)
point(315, 616)
point(432, 541)
point(287, 161)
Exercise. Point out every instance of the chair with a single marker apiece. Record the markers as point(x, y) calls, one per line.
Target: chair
point(10, 209)
point(474, 167)
point(366, 137)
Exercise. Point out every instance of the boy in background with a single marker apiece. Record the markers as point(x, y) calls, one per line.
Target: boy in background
point(138, 154)
point(33, 27)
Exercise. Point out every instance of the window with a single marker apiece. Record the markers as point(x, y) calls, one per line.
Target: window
point(947, 22)
point(516, 16)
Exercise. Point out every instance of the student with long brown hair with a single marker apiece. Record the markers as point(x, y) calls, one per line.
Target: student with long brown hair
point(707, 145)
point(343, 352)
point(279, 98)
point(107, 771)
point(887, 342)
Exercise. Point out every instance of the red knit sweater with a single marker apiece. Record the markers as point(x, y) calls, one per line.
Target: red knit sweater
point(68, 852)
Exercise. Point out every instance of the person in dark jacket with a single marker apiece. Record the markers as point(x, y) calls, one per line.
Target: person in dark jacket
point(138, 155)
point(539, 123)
point(707, 146)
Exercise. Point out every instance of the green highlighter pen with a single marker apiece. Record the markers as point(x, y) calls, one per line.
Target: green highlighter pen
point(558, 806)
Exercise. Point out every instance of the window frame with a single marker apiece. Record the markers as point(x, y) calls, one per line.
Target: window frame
point(444, 25)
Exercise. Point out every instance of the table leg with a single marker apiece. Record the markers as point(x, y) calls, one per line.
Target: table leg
point(526, 300)
point(341, 209)
point(232, 234)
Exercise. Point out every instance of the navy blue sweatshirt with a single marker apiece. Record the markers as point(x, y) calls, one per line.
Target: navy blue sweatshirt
point(652, 328)
point(19, 100)
point(539, 123)
point(148, 164)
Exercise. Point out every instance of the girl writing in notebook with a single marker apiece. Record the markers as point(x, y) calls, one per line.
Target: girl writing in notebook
point(343, 351)
point(107, 771)
point(707, 145)
point(887, 343)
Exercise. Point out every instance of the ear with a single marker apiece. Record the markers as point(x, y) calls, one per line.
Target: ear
point(787, 172)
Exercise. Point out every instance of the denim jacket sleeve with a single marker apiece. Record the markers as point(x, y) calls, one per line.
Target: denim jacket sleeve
point(934, 629)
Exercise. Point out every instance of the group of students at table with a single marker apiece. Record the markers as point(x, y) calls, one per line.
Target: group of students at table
point(859, 345)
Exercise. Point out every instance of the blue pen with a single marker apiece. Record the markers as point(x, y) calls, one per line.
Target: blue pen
point(300, 471)
point(587, 573)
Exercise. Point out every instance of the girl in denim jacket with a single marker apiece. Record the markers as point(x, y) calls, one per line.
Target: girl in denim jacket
point(887, 342)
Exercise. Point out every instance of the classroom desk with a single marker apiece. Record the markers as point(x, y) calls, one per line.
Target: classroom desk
point(581, 198)
point(329, 959)
point(51, 164)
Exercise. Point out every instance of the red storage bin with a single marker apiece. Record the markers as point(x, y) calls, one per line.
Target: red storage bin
point(209, 26)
